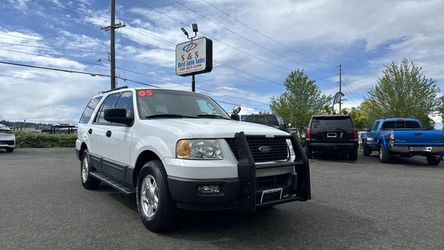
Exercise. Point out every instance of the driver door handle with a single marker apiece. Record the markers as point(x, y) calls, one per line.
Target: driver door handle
point(108, 133)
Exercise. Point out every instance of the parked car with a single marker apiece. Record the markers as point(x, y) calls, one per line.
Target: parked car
point(404, 137)
point(7, 139)
point(332, 133)
point(176, 149)
point(264, 119)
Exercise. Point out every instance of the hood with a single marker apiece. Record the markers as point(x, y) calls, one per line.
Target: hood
point(214, 128)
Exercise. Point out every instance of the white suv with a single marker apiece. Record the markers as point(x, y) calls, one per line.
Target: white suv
point(7, 138)
point(177, 149)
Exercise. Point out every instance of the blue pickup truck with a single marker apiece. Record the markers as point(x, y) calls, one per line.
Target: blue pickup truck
point(404, 137)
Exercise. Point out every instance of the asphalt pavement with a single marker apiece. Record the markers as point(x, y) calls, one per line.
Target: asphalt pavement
point(358, 205)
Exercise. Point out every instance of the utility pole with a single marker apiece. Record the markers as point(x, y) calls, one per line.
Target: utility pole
point(112, 29)
point(340, 86)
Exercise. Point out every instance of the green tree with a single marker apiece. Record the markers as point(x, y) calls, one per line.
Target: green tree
point(359, 117)
point(302, 99)
point(403, 91)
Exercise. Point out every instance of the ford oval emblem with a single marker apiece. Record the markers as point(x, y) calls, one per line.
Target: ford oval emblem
point(264, 149)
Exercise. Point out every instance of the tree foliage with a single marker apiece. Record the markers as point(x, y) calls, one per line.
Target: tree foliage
point(403, 91)
point(302, 99)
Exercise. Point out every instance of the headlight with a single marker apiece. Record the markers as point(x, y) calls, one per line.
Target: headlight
point(290, 147)
point(199, 149)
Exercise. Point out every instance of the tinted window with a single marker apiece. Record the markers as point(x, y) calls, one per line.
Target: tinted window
point(126, 101)
point(89, 109)
point(376, 126)
point(263, 119)
point(108, 103)
point(331, 122)
point(169, 103)
point(400, 124)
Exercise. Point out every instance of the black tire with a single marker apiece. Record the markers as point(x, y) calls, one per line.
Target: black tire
point(164, 216)
point(366, 150)
point(432, 160)
point(309, 154)
point(353, 156)
point(88, 181)
point(384, 156)
point(9, 150)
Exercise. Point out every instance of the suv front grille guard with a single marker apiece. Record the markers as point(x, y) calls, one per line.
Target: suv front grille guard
point(247, 173)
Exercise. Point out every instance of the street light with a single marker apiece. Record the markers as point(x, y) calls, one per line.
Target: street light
point(195, 30)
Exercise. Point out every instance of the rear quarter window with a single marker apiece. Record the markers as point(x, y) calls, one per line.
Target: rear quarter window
point(89, 109)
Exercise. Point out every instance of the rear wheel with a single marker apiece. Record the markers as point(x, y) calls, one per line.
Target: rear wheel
point(384, 156)
point(154, 204)
point(309, 154)
point(353, 156)
point(432, 160)
point(9, 150)
point(88, 181)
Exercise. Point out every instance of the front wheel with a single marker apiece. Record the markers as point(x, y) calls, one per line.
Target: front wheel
point(432, 160)
point(154, 204)
point(366, 149)
point(9, 150)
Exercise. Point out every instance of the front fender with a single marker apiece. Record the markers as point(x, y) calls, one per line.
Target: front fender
point(155, 144)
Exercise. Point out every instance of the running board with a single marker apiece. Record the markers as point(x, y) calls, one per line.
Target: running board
point(119, 186)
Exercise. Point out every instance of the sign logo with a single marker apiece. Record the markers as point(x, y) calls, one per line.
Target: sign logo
point(190, 47)
point(264, 149)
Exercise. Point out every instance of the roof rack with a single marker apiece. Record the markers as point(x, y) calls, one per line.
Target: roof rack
point(103, 92)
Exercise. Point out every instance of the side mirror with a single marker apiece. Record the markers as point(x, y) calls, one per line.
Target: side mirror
point(117, 115)
point(235, 117)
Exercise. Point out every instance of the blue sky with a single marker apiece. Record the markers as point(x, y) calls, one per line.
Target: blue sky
point(256, 45)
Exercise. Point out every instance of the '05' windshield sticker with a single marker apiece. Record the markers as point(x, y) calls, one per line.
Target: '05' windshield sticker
point(147, 92)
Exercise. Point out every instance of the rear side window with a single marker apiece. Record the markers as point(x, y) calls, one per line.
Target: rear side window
point(89, 109)
point(400, 124)
point(332, 122)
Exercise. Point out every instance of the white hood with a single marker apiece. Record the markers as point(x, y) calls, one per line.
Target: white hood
point(214, 128)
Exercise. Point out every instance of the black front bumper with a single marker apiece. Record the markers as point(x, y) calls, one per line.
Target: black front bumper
point(245, 193)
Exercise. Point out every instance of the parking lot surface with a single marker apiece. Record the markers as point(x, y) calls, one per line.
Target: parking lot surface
point(363, 204)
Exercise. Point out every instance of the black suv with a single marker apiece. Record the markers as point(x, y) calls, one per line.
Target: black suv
point(333, 134)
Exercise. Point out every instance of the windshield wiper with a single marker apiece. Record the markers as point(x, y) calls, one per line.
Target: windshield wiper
point(212, 116)
point(169, 116)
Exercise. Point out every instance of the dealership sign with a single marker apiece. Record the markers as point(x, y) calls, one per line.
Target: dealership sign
point(194, 57)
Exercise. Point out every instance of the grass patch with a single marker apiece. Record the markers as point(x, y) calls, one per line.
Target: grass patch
point(42, 140)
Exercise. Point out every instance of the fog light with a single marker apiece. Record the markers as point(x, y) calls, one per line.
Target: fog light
point(208, 189)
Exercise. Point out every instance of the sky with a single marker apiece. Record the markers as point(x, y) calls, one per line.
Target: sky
point(256, 44)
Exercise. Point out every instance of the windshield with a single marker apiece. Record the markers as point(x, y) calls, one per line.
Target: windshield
point(177, 104)
point(331, 122)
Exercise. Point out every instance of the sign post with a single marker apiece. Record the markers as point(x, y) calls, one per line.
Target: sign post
point(194, 57)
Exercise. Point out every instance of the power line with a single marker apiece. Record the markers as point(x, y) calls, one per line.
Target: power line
point(235, 33)
point(54, 69)
point(215, 39)
point(74, 72)
point(260, 33)
point(52, 48)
